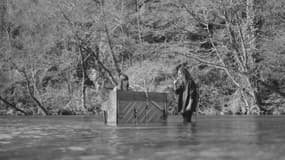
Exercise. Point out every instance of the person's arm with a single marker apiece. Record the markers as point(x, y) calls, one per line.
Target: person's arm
point(177, 89)
point(188, 107)
point(192, 87)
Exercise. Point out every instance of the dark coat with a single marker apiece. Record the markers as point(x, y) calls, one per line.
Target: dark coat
point(185, 92)
point(124, 82)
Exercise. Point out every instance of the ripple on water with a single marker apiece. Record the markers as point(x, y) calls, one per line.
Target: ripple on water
point(5, 136)
point(93, 157)
point(4, 142)
point(76, 148)
point(227, 138)
point(5, 139)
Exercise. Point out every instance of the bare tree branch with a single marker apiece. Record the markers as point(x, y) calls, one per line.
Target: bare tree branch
point(30, 90)
point(93, 53)
point(243, 46)
point(196, 58)
point(32, 94)
point(13, 106)
point(109, 40)
point(90, 50)
point(233, 45)
point(222, 61)
point(26, 78)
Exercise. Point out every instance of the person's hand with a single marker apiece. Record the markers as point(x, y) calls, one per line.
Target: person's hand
point(188, 108)
point(175, 82)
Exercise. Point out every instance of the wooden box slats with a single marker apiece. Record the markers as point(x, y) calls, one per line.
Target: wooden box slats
point(136, 107)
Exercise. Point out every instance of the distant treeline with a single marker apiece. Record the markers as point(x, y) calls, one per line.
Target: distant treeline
point(63, 57)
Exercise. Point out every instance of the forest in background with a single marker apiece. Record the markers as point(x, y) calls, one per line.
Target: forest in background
point(63, 56)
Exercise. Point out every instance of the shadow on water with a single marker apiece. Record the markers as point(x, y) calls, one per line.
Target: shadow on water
point(74, 137)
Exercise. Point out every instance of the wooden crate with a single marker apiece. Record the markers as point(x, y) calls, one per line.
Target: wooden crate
point(129, 107)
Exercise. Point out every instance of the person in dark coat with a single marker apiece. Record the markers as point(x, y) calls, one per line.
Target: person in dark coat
point(124, 82)
point(187, 91)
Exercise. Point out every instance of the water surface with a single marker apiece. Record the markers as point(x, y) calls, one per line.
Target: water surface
point(86, 138)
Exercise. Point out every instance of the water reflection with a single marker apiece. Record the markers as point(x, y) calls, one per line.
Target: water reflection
point(226, 137)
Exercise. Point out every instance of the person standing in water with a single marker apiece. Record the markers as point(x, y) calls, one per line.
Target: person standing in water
point(124, 82)
point(187, 91)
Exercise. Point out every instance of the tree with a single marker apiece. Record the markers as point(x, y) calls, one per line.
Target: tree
point(231, 29)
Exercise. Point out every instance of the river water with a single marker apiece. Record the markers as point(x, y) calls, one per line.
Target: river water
point(87, 138)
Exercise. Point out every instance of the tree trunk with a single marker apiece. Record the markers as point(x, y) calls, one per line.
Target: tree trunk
point(243, 43)
point(3, 17)
point(243, 46)
point(83, 87)
point(109, 40)
point(3, 25)
point(248, 94)
point(250, 30)
point(138, 21)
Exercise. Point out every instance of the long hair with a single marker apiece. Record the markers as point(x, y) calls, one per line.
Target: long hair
point(186, 76)
point(124, 82)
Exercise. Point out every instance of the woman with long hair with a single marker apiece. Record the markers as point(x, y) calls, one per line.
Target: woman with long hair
point(187, 91)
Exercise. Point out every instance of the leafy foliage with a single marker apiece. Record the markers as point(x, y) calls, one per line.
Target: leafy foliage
point(60, 53)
